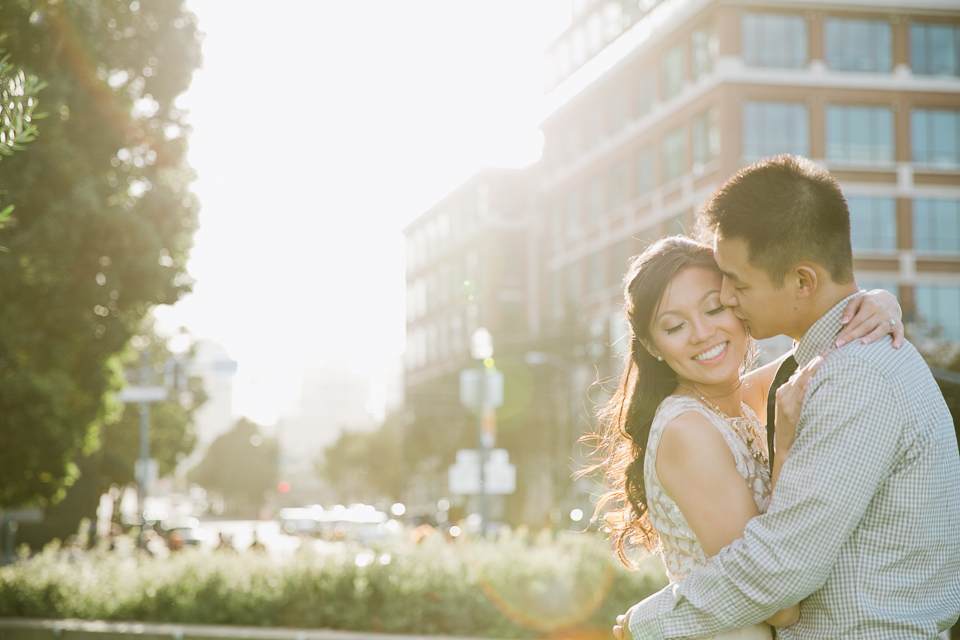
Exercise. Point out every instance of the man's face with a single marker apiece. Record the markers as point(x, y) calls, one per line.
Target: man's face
point(764, 309)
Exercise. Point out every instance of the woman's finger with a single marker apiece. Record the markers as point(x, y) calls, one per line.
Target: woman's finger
point(897, 334)
point(857, 327)
point(850, 311)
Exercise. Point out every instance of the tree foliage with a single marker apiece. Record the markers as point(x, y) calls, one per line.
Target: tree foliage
point(172, 434)
point(18, 102)
point(241, 464)
point(363, 466)
point(103, 221)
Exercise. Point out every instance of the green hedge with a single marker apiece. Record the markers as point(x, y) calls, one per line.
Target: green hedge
point(511, 588)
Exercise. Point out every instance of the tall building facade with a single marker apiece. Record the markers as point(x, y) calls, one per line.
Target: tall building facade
point(653, 105)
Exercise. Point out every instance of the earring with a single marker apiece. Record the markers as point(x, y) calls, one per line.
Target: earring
point(660, 358)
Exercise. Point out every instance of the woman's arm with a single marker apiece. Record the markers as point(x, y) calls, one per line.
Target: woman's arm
point(697, 470)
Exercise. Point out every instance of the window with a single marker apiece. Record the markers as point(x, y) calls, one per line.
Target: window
point(886, 285)
point(936, 226)
point(573, 212)
point(935, 136)
point(555, 222)
point(860, 135)
point(772, 128)
point(671, 72)
point(706, 47)
point(873, 223)
point(645, 171)
point(571, 143)
point(594, 125)
point(594, 199)
point(677, 225)
point(556, 294)
point(773, 40)
point(618, 110)
point(706, 136)
point(858, 45)
point(595, 273)
point(935, 49)
point(939, 307)
point(671, 152)
point(618, 262)
point(617, 189)
point(574, 287)
point(645, 91)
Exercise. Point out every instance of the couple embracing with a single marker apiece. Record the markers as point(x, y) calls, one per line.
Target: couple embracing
point(841, 518)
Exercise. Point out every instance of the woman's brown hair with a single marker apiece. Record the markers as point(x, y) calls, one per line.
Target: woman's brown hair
point(624, 422)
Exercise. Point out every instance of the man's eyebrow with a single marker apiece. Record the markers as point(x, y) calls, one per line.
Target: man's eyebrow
point(730, 275)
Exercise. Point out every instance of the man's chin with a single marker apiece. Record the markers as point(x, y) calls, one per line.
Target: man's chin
point(759, 334)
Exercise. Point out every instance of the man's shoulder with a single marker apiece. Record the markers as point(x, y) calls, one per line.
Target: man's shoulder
point(879, 356)
point(879, 368)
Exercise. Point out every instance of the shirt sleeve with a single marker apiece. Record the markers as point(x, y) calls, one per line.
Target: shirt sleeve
point(847, 441)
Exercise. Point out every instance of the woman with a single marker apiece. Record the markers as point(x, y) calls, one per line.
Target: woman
point(684, 449)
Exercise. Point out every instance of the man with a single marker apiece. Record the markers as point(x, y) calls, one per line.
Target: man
point(864, 525)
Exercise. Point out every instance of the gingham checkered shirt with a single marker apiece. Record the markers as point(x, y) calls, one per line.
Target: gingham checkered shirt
point(864, 525)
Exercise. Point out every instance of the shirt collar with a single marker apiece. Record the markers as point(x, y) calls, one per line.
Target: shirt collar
point(821, 335)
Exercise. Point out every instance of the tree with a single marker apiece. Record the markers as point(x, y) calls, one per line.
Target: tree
point(364, 466)
point(103, 220)
point(241, 464)
point(172, 434)
point(18, 101)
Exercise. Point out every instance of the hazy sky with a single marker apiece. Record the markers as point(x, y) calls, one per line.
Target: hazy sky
point(320, 129)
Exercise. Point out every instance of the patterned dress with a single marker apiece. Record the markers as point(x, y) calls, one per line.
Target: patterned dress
point(679, 548)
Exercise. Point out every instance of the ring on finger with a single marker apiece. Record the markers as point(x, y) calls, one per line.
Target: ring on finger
point(892, 323)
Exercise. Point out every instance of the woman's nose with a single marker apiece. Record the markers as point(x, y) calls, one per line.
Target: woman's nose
point(702, 330)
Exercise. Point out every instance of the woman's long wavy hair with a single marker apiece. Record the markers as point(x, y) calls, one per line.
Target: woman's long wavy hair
point(624, 422)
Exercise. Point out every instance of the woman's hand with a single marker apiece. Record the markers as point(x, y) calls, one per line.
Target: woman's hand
point(870, 317)
point(789, 401)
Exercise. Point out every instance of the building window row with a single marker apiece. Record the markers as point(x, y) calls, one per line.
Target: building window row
point(936, 225)
point(769, 40)
point(854, 134)
point(662, 162)
point(860, 45)
point(451, 281)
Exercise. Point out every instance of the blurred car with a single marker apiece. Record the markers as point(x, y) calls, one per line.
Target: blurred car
point(183, 533)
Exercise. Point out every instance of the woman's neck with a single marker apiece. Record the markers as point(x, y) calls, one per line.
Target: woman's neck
point(725, 397)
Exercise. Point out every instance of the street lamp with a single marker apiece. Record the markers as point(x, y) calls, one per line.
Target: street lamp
point(481, 348)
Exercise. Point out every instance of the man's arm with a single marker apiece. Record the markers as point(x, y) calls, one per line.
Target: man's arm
point(846, 443)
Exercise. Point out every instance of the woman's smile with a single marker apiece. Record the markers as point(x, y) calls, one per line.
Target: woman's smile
point(712, 355)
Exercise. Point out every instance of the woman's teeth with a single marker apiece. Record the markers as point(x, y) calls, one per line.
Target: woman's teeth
point(712, 353)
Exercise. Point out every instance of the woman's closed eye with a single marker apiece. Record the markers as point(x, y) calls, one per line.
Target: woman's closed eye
point(673, 329)
point(716, 311)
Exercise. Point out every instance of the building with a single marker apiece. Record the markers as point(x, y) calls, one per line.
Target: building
point(654, 104)
point(213, 365)
point(653, 110)
point(469, 261)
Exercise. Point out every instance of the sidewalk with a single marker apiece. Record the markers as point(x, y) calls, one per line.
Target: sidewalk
point(39, 629)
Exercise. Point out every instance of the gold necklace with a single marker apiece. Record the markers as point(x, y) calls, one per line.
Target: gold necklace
point(743, 426)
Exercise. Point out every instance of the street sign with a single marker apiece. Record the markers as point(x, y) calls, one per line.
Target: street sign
point(470, 388)
point(148, 477)
point(500, 477)
point(143, 394)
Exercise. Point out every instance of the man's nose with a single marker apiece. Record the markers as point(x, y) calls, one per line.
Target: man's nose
point(728, 297)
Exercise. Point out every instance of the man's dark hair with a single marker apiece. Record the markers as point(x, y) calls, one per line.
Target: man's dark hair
point(788, 210)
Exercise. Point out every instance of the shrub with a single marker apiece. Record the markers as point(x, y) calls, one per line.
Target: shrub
point(511, 588)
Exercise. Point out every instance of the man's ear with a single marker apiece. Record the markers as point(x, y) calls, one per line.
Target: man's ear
point(804, 280)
